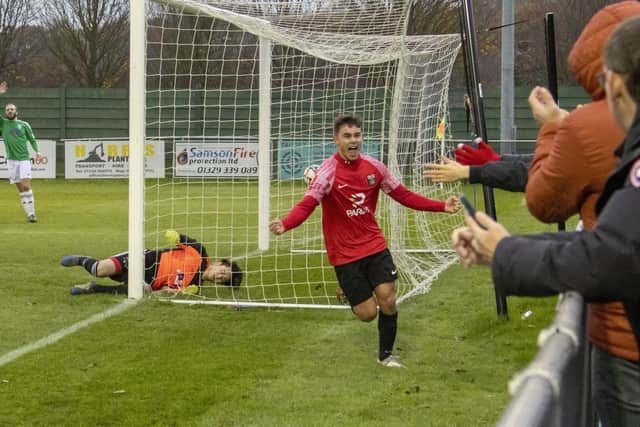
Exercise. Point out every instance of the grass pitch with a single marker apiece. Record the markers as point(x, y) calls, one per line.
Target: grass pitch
point(162, 364)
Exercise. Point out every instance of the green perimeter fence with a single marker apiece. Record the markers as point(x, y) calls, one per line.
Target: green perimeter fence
point(72, 113)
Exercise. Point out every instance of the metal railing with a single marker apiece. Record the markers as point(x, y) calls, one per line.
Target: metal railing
point(553, 390)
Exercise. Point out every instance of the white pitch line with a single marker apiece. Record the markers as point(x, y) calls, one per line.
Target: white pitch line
point(57, 336)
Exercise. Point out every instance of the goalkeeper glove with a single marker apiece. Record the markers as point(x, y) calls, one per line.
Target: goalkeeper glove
point(191, 290)
point(172, 237)
point(469, 156)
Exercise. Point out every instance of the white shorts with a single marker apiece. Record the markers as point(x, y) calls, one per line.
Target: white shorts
point(19, 170)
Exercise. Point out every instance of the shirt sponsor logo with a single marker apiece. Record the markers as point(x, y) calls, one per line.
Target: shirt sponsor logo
point(357, 200)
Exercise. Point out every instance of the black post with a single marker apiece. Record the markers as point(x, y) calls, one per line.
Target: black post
point(550, 46)
point(552, 70)
point(471, 51)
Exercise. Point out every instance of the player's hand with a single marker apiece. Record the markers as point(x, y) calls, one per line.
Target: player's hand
point(487, 233)
point(3, 88)
point(543, 108)
point(448, 171)
point(452, 205)
point(38, 156)
point(277, 227)
point(471, 156)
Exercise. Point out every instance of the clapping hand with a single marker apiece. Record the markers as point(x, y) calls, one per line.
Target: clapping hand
point(543, 108)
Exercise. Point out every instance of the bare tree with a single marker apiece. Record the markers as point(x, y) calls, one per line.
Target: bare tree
point(14, 19)
point(434, 17)
point(90, 38)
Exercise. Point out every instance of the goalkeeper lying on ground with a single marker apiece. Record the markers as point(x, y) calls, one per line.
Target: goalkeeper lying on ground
point(172, 269)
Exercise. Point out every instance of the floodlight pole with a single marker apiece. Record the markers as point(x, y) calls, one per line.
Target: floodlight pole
point(477, 96)
point(507, 65)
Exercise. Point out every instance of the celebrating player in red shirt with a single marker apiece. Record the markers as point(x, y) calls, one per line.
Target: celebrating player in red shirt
point(347, 185)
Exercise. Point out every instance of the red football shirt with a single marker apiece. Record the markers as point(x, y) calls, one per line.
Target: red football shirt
point(348, 192)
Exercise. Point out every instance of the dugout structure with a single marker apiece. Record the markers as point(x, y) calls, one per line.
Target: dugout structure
point(243, 94)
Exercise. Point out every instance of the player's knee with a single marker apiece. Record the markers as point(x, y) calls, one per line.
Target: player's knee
point(105, 268)
point(366, 312)
point(387, 303)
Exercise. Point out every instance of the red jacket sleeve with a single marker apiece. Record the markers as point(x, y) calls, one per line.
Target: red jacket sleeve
point(300, 212)
point(415, 201)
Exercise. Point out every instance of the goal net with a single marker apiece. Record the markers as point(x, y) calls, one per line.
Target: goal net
point(243, 95)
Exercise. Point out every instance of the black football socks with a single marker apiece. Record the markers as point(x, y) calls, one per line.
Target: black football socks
point(387, 327)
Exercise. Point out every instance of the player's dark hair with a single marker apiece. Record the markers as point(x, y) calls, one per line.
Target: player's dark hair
point(346, 119)
point(236, 273)
point(622, 56)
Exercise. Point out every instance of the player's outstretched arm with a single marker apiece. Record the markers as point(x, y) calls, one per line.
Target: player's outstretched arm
point(296, 216)
point(408, 198)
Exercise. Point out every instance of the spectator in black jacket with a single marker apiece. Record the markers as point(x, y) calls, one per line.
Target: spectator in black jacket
point(603, 264)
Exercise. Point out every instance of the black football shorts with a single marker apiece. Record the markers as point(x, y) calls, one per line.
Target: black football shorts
point(359, 278)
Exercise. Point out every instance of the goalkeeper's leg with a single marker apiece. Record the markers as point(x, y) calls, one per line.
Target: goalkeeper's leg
point(109, 267)
point(114, 267)
point(97, 288)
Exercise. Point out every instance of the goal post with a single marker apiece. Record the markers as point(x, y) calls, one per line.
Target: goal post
point(264, 148)
point(243, 94)
point(137, 111)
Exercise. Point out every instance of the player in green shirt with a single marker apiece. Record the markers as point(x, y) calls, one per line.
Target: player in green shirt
point(15, 134)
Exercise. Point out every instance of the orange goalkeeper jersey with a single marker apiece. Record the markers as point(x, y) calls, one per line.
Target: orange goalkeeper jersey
point(185, 260)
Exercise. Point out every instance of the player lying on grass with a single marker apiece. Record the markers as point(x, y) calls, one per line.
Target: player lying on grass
point(347, 185)
point(172, 269)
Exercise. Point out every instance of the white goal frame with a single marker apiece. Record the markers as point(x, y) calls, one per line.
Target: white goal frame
point(137, 121)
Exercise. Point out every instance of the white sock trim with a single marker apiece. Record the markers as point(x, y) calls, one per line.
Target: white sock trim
point(28, 202)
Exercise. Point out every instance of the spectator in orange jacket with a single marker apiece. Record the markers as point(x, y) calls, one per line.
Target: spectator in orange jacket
point(602, 264)
point(574, 156)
